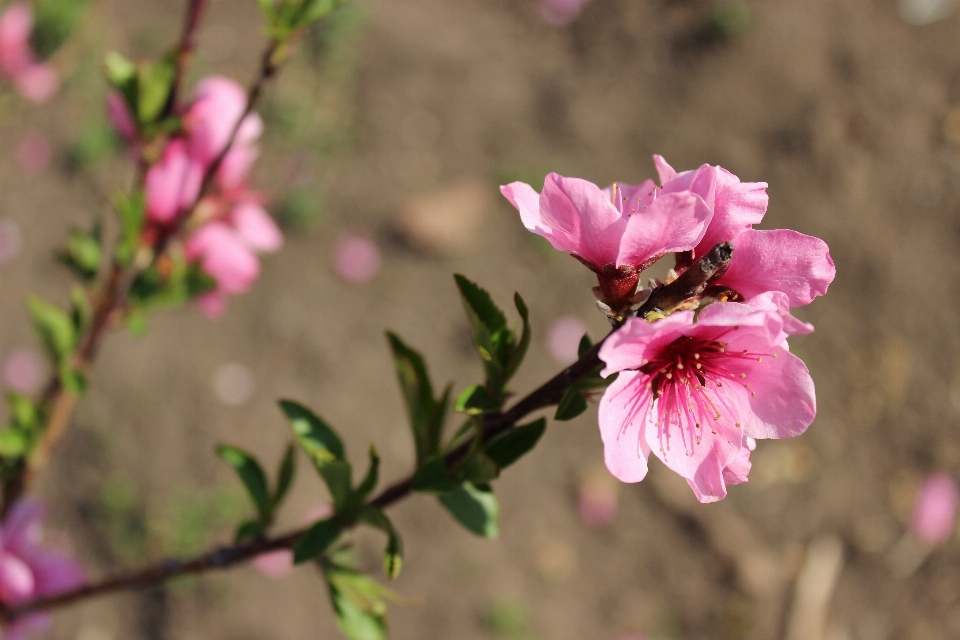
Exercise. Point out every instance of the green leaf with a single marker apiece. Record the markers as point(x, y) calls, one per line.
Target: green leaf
point(358, 604)
point(23, 413)
point(122, 74)
point(82, 254)
point(571, 405)
point(73, 381)
point(288, 467)
point(316, 540)
point(313, 10)
point(130, 210)
point(513, 444)
point(13, 443)
point(82, 312)
point(475, 400)
point(53, 22)
point(425, 414)
point(155, 82)
point(393, 556)
point(477, 467)
point(518, 351)
point(338, 475)
point(54, 327)
point(432, 477)
point(369, 482)
point(477, 300)
point(474, 508)
point(249, 530)
point(585, 345)
point(316, 437)
point(252, 476)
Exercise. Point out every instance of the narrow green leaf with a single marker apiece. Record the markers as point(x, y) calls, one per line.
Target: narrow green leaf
point(355, 622)
point(251, 475)
point(432, 477)
point(288, 467)
point(475, 400)
point(316, 540)
point(337, 474)
point(54, 327)
point(130, 210)
point(393, 556)
point(513, 444)
point(479, 301)
point(475, 509)
point(155, 81)
point(369, 482)
point(585, 345)
point(73, 381)
point(82, 254)
point(571, 405)
point(23, 413)
point(519, 350)
point(120, 71)
point(417, 392)
point(316, 437)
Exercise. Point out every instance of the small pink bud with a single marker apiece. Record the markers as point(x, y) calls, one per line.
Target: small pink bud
point(22, 371)
point(274, 564)
point(10, 240)
point(935, 512)
point(563, 338)
point(356, 259)
point(34, 153)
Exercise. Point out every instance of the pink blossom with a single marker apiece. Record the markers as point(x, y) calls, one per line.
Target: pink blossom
point(256, 227)
point(616, 232)
point(35, 80)
point(209, 121)
point(22, 371)
point(561, 12)
point(692, 393)
point(274, 564)
point(224, 256)
point(356, 259)
point(935, 512)
point(173, 183)
point(27, 570)
point(777, 260)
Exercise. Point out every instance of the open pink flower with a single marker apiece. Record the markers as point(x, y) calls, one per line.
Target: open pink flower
point(173, 183)
point(692, 393)
point(617, 232)
point(28, 570)
point(776, 260)
point(35, 80)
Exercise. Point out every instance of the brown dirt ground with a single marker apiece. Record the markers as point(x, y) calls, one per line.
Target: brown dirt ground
point(838, 104)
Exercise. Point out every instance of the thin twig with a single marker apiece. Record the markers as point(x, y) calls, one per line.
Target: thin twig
point(547, 394)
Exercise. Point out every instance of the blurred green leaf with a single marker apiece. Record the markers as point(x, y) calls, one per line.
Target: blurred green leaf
point(53, 22)
point(288, 467)
point(23, 412)
point(432, 477)
point(54, 327)
point(571, 405)
point(154, 82)
point(475, 400)
point(337, 474)
point(252, 476)
point(249, 530)
point(316, 437)
point(477, 467)
point(358, 604)
point(82, 254)
point(316, 540)
point(513, 444)
point(474, 508)
point(519, 351)
point(13, 443)
point(122, 74)
point(393, 556)
point(369, 482)
point(130, 209)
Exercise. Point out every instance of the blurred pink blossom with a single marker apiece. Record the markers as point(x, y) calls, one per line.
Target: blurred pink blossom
point(172, 183)
point(28, 571)
point(561, 12)
point(118, 113)
point(356, 259)
point(10, 240)
point(22, 371)
point(935, 511)
point(563, 338)
point(36, 81)
point(34, 153)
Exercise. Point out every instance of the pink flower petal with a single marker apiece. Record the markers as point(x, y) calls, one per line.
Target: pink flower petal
point(16, 23)
point(173, 183)
point(22, 371)
point(563, 338)
point(674, 222)
point(737, 207)
point(256, 227)
point(118, 113)
point(356, 259)
point(23, 528)
point(209, 121)
point(212, 304)
point(582, 219)
point(935, 512)
point(37, 82)
point(780, 260)
point(224, 256)
point(274, 564)
point(55, 573)
point(16, 580)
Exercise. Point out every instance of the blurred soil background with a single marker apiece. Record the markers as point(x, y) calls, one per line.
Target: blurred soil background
point(396, 123)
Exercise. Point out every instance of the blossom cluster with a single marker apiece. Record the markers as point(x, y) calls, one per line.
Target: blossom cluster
point(34, 80)
point(699, 386)
point(228, 225)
